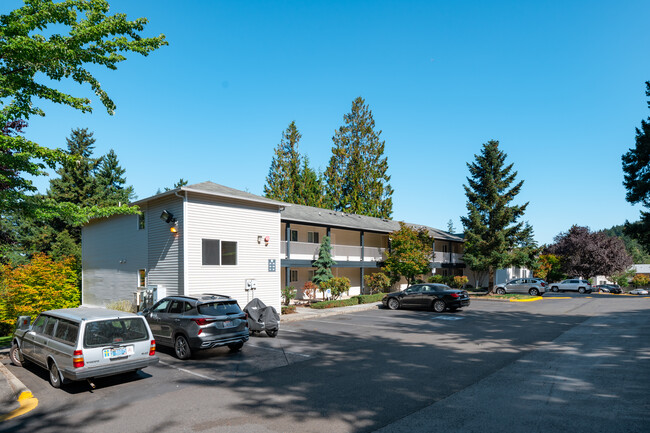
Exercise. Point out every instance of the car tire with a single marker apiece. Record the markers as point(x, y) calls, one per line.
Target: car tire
point(182, 347)
point(533, 292)
point(15, 356)
point(439, 306)
point(581, 290)
point(55, 376)
point(236, 347)
point(501, 291)
point(393, 304)
point(555, 289)
point(271, 332)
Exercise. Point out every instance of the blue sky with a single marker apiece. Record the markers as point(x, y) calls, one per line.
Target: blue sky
point(559, 83)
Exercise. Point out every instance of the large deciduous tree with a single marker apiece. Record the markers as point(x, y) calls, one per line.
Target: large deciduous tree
point(290, 178)
point(494, 236)
point(356, 179)
point(588, 254)
point(410, 255)
point(41, 44)
point(636, 166)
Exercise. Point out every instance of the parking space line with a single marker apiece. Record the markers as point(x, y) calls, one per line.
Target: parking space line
point(187, 371)
point(273, 349)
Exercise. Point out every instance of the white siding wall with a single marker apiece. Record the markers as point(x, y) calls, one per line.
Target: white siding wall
point(241, 222)
point(113, 250)
point(165, 265)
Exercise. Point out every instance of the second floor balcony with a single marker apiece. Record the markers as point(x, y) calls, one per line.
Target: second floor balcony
point(353, 253)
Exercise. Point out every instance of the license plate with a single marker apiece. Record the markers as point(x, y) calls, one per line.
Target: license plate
point(116, 352)
point(228, 323)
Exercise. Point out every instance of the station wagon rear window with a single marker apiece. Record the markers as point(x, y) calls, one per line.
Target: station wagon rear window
point(219, 308)
point(114, 331)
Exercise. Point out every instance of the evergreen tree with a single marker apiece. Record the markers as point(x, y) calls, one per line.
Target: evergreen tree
point(636, 166)
point(324, 263)
point(311, 186)
point(77, 183)
point(111, 180)
point(290, 178)
point(493, 237)
point(356, 179)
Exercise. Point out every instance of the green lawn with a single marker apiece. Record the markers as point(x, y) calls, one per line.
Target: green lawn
point(5, 341)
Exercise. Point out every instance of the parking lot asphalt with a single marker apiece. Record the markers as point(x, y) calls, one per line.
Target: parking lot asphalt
point(498, 366)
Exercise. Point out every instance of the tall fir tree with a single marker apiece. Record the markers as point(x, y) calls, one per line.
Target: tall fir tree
point(636, 169)
point(356, 179)
point(283, 181)
point(77, 183)
point(290, 178)
point(111, 181)
point(493, 237)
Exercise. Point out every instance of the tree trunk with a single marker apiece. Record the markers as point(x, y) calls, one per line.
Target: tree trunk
point(491, 281)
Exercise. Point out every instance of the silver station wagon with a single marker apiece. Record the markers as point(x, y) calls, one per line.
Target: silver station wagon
point(84, 343)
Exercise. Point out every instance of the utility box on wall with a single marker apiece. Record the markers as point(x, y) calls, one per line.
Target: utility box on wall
point(251, 284)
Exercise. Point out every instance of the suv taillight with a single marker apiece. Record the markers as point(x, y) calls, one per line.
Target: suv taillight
point(246, 324)
point(203, 321)
point(152, 348)
point(78, 359)
point(543, 284)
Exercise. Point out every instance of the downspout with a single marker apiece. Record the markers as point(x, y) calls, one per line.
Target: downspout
point(184, 234)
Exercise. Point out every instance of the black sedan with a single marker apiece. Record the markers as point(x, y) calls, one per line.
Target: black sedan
point(438, 297)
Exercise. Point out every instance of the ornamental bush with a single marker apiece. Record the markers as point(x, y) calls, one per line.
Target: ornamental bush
point(459, 281)
point(377, 282)
point(336, 285)
point(288, 293)
point(309, 289)
point(40, 285)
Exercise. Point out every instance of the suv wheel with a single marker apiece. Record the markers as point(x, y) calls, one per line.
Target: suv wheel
point(555, 289)
point(15, 356)
point(501, 291)
point(581, 290)
point(182, 347)
point(533, 292)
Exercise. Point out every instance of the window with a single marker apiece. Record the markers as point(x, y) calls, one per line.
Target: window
point(115, 331)
point(161, 307)
point(141, 221)
point(228, 253)
point(216, 252)
point(67, 331)
point(49, 327)
point(294, 236)
point(219, 308)
point(39, 323)
point(177, 307)
point(444, 248)
point(312, 237)
point(293, 276)
point(142, 277)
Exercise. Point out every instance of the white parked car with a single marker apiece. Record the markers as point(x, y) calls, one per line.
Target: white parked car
point(638, 292)
point(571, 285)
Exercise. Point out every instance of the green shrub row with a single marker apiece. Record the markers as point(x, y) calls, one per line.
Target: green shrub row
point(355, 300)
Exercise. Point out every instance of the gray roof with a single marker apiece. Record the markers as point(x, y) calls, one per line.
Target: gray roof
point(325, 217)
point(215, 189)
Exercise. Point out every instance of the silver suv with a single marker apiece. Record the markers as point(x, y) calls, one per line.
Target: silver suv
point(83, 343)
point(572, 285)
point(531, 286)
point(189, 323)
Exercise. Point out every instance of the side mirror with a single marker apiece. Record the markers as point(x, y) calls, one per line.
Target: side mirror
point(145, 311)
point(23, 322)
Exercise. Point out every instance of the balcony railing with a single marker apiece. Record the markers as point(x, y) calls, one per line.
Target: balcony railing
point(309, 251)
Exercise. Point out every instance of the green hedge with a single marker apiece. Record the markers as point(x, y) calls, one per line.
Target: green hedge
point(334, 304)
point(355, 300)
point(369, 299)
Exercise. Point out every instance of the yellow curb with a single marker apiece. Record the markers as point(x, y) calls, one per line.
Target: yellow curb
point(27, 402)
point(536, 298)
